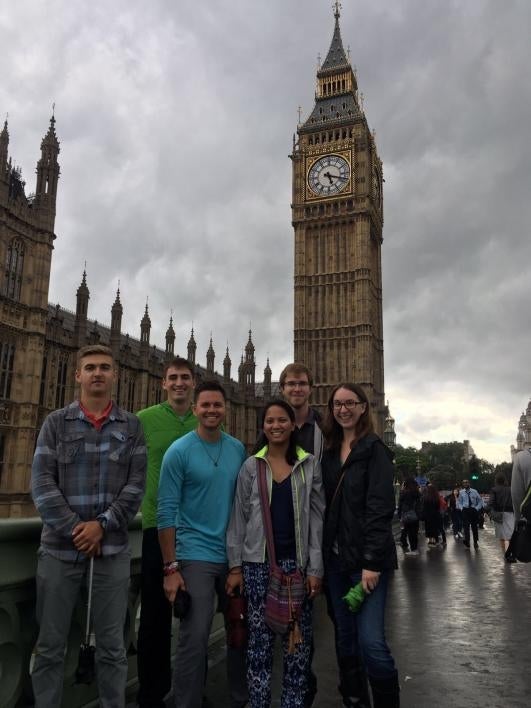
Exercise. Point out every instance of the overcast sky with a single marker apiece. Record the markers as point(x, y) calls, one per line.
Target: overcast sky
point(176, 120)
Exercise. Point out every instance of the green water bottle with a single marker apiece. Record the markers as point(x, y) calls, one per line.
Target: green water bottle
point(354, 597)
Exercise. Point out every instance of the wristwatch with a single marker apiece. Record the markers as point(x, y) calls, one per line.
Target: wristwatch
point(102, 521)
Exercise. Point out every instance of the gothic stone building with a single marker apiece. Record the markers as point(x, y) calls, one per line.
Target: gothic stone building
point(523, 437)
point(337, 214)
point(38, 340)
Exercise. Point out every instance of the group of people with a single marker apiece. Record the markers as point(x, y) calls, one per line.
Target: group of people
point(329, 485)
point(463, 507)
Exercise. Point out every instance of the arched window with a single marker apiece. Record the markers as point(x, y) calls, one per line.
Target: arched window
point(13, 272)
point(60, 389)
point(7, 358)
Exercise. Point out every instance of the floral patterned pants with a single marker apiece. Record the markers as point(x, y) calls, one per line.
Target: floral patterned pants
point(261, 642)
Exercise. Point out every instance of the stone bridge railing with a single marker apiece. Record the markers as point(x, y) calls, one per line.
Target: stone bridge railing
point(19, 540)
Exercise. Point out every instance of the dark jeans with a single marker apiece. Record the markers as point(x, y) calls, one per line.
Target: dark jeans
point(154, 631)
point(362, 632)
point(470, 521)
point(457, 521)
point(412, 532)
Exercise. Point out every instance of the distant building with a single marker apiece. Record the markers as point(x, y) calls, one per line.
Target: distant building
point(389, 434)
point(523, 437)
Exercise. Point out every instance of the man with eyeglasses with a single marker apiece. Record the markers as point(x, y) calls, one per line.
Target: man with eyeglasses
point(296, 383)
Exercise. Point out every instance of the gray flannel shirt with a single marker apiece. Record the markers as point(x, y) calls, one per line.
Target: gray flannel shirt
point(80, 473)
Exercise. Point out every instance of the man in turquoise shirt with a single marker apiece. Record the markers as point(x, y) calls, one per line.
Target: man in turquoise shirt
point(196, 490)
point(163, 424)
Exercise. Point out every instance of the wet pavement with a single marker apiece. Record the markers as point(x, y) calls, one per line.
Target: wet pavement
point(459, 627)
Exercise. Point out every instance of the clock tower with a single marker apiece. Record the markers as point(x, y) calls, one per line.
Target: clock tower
point(337, 214)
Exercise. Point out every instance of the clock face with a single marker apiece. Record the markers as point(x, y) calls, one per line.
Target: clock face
point(329, 175)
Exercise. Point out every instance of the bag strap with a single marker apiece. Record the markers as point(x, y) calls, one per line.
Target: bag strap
point(266, 511)
point(340, 482)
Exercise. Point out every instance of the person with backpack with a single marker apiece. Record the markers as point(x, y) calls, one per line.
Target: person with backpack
point(521, 480)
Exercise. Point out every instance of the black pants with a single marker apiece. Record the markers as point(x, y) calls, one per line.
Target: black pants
point(412, 533)
point(470, 521)
point(154, 632)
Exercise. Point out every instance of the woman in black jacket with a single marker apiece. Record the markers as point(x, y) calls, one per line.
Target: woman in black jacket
point(358, 542)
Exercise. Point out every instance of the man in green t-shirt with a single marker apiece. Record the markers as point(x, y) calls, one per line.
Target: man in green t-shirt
point(162, 424)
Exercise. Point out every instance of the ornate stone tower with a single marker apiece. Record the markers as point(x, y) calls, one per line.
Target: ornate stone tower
point(338, 219)
point(26, 244)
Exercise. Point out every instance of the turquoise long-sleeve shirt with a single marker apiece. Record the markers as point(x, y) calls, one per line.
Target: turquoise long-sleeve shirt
point(196, 491)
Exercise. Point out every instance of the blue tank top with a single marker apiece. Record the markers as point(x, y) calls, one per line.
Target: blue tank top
point(283, 520)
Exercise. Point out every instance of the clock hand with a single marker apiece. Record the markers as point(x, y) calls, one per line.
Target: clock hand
point(331, 176)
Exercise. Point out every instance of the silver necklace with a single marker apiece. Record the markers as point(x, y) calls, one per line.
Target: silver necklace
point(216, 460)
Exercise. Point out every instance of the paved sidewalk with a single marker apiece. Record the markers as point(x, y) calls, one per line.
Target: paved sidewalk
point(459, 625)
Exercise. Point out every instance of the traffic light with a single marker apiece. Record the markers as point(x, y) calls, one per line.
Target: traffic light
point(474, 476)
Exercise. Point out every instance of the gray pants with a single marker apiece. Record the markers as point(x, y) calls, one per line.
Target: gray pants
point(58, 586)
point(204, 581)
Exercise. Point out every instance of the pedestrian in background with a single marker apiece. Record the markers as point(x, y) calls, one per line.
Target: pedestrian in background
point(456, 515)
point(359, 545)
point(501, 511)
point(520, 480)
point(431, 513)
point(409, 506)
point(470, 503)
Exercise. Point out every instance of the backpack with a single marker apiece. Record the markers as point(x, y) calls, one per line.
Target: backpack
point(520, 544)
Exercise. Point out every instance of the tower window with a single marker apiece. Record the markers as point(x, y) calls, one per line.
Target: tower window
point(13, 269)
point(7, 358)
point(42, 391)
point(60, 389)
point(2, 450)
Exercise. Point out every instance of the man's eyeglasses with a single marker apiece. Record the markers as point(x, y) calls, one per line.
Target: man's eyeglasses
point(296, 384)
point(349, 405)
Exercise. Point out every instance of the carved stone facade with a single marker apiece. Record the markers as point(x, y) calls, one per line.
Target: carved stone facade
point(523, 438)
point(337, 213)
point(39, 340)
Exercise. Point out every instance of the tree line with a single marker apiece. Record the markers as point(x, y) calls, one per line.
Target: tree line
point(446, 464)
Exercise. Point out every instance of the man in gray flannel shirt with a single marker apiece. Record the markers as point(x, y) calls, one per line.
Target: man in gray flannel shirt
point(87, 482)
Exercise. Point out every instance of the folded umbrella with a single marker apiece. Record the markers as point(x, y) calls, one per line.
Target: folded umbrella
point(85, 672)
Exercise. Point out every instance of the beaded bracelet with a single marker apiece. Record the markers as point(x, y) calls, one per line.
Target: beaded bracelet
point(170, 567)
point(169, 571)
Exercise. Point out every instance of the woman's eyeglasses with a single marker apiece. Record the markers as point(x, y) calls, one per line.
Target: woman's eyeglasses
point(349, 405)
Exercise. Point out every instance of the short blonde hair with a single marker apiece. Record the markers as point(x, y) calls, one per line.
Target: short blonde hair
point(93, 349)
